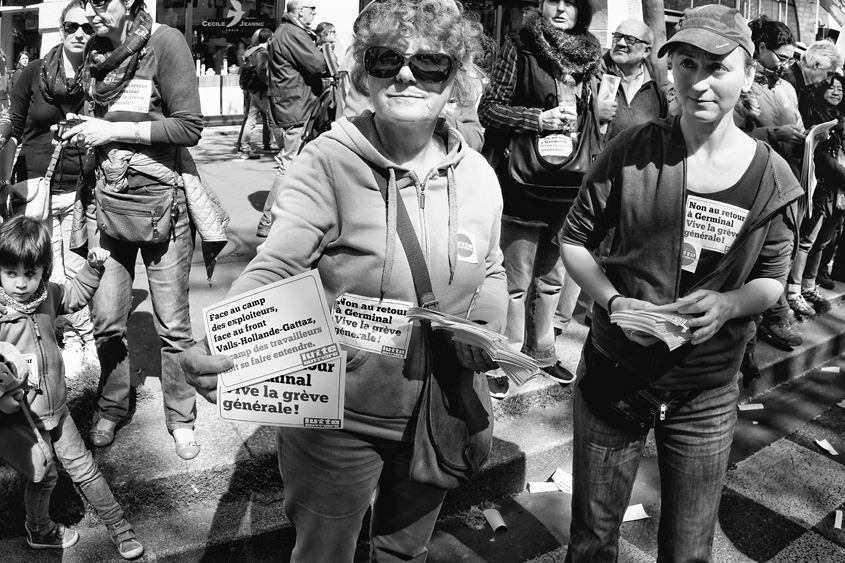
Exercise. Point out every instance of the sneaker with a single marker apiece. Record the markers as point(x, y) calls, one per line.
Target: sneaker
point(780, 335)
point(824, 280)
point(73, 357)
point(559, 374)
point(249, 154)
point(799, 305)
point(819, 303)
point(123, 536)
point(59, 538)
point(498, 385)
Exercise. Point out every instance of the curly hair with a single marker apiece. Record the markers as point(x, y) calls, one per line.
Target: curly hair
point(772, 34)
point(25, 241)
point(384, 22)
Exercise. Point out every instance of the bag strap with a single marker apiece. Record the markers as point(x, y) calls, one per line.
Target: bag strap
point(408, 237)
point(48, 452)
point(53, 160)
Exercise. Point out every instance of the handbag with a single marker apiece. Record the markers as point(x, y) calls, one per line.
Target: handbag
point(143, 215)
point(30, 197)
point(453, 436)
point(553, 160)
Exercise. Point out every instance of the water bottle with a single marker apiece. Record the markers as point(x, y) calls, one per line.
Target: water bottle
point(566, 98)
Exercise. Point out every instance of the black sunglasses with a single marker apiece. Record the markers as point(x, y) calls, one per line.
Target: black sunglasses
point(71, 27)
point(383, 62)
point(630, 40)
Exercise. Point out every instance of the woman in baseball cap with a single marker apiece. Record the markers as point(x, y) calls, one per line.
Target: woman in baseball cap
point(704, 220)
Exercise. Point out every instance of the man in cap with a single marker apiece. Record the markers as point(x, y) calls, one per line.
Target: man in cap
point(667, 187)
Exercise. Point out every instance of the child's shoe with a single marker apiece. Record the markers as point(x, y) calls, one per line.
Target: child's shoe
point(123, 536)
point(59, 538)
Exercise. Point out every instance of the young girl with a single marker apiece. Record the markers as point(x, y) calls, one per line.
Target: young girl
point(29, 305)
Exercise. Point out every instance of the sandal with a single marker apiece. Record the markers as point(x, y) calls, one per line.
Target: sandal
point(103, 433)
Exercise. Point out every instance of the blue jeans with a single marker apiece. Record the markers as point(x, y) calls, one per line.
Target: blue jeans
point(168, 266)
point(79, 463)
point(290, 140)
point(66, 264)
point(330, 477)
point(816, 233)
point(258, 106)
point(693, 445)
point(535, 276)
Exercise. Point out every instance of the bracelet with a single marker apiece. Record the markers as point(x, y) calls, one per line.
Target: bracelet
point(610, 302)
point(137, 134)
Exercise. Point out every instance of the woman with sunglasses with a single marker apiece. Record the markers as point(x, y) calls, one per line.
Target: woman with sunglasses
point(139, 77)
point(410, 57)
point(45, 91)
point(525, 97)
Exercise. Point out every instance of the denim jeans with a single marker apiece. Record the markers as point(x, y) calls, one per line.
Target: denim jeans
point(258, 106)
point(816, 232)
point(569, 295)
point(535, 276)
point(693, 446)
point(290, 140)
point(67, 263)
point(330, 477)
point(79, 463)
point(168, 267)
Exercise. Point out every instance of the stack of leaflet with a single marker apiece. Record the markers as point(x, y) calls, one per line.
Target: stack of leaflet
point(671, 328)
point(516, 365)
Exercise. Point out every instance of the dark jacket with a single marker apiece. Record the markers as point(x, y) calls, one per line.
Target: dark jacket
point(259, 56)
point(648, 104)
point(296, 71)
point(638, 186)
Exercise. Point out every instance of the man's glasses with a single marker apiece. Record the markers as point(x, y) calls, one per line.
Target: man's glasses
point(383, 62)
point(312, 8)
point(784, 59)
point(70, 28)
point(630, 40)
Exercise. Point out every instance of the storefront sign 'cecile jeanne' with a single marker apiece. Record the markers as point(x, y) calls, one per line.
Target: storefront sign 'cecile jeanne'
point(235, 20)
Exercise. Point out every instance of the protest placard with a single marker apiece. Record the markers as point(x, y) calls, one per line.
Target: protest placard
point(310, 398)
point(272, 331)
point(375, 325)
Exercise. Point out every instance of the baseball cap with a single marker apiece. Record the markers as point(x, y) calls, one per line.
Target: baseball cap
point(713, 28)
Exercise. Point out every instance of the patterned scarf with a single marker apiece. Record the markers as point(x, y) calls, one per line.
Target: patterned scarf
point(766, 77)
point(575, 54)
point(107, 70)
point(55, 86)
point(31, 304)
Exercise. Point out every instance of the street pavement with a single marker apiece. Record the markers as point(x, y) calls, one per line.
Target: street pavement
point(778, 504)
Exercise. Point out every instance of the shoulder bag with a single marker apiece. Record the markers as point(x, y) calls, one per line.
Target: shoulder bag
point(30, 197)
point(454, 429)
point(540, 160)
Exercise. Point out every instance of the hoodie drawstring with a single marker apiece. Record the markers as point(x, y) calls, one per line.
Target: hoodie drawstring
point(453, 222)
point(390, 236)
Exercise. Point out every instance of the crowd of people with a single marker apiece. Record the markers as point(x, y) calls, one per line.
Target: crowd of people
point(570, 170)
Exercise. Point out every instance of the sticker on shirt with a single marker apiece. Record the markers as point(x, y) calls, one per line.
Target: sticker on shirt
point(135, 97)
point(466, 248)
point(32, 363)
point(712, 224)
point(690, 253)
point(374, 325)
point(554, 145)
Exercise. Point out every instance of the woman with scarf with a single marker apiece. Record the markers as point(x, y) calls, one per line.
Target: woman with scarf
point(140, 78)
point(524, 96)
point(45, 91)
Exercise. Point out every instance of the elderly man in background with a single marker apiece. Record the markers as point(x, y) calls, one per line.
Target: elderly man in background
point(296, 71)
point(811, 75)
point(638, 99)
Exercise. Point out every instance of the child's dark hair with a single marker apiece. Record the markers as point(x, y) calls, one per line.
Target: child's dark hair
point(25, 241)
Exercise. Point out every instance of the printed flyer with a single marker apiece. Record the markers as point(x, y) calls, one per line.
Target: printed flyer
point(310, 398)
point(272, 331)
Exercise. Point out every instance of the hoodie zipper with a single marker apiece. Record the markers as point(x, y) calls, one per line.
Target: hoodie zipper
point(42, 358)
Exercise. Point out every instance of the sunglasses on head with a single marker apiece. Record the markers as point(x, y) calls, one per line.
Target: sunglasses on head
point(383, 62)
point(71, 27)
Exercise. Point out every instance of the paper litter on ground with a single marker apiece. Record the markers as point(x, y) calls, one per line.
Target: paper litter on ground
point(635, 512)
point(825, 445)
point(563, 480)
point(751, 407)
point(832, 369)
point(538, 487)
point(495, 520)
point(837, 523)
